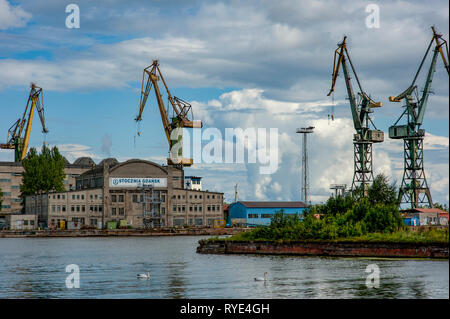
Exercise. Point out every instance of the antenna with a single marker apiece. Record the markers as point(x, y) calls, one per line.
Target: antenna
point(236, 193)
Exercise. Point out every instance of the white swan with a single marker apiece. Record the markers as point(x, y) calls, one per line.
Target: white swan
point(262, 279)
point(144, 276)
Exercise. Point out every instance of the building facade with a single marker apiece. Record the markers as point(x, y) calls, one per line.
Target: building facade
point(11, 179)
point(260, 213)
point(425, 217)
point(135, 193)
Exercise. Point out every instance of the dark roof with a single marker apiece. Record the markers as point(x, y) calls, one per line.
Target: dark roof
point(274, 204)
point(111, 162)
point(84, 161)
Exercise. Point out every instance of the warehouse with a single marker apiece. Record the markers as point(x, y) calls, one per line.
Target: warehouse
point(135, 193)
point(260, 213)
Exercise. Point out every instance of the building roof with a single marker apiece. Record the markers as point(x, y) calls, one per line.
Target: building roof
point(110, 161)
point(274, 204)
point(430, 210)
point(84, 161)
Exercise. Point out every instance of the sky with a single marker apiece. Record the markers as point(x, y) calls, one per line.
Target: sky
point(241, 64)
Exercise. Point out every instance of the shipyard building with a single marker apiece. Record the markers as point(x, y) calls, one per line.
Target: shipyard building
point(135, 193)
point(11, 179)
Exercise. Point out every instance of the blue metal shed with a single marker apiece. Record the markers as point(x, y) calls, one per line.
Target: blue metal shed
point(260, 213)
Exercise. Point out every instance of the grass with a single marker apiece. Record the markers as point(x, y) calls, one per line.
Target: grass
point(401, 236)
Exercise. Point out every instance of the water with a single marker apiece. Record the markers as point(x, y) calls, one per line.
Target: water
point(35, 268)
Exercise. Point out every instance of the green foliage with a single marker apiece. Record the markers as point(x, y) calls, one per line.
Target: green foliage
point(42, 172)
point(341, 217)
point(381, 192)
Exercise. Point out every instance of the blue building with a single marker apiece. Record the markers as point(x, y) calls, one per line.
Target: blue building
point(260, 213)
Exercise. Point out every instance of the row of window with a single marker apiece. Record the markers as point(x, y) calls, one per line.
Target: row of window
point(5, 180)
point(199, 196)
point(195, 208)
point(77, 208)
point(76, 196)
point(262, 215)
point(25, 222)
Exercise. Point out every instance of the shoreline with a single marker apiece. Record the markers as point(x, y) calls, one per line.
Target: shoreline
point(120, 232)
point(327, 248)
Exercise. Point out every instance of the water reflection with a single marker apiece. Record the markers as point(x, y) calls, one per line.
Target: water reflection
point(35, 268)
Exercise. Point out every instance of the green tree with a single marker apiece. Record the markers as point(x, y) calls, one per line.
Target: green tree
point(43, 172)
point(381, 192)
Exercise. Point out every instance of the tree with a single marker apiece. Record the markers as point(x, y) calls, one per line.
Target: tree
point(381, 192)
point(42, 172)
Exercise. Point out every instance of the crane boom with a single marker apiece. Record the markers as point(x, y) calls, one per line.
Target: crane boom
point(181, 109)
point(14, 139)
point(360, 109)
point(414, 189)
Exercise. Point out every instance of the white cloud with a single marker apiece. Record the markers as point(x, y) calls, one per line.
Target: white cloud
point(12, 16)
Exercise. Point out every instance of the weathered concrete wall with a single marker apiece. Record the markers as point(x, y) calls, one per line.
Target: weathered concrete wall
point(326, 249)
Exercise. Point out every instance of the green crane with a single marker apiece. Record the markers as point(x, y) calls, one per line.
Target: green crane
point(414, 190)
point(361, 108)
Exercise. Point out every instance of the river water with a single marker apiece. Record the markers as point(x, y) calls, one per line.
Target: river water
point(36, 268)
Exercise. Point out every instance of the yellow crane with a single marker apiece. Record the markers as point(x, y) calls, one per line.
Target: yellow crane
point(182, 114)
point(15, 140)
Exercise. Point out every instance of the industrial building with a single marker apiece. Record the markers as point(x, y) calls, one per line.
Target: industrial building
point(425, 217)
point(245, 213)
point(11, 179)
point(135, 193)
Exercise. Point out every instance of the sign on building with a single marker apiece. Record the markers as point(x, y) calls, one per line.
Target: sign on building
point(137, 182)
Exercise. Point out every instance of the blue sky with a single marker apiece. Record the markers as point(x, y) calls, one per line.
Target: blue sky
point(240, 64)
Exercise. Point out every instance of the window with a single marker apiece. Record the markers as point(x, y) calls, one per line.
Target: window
point(218, 207)
point(59, 196)
point(195, 196)
point(266, 215)
point(31, 222)
point(78, 208)
point(82, 196)
point(179, 208)
point(25, 222)
point(58, 208)
point(100, 208)
point(135, 198)
point(184, 197)
point(72, 208)
point(174, 208)
point(63, 208)
point(199, 208)
point(213, 196)
point(83, 208)
point(191, 208)
point(63, 196)
point(209, 208)
point(91, 208)
point(179, 197)
point(113, 211)
point(113, 198)
point(96, 196)
point(121, 198)
point(190, 196)
point(252, 215)
point(121, 211)
point(78, 196)
point(199, 221)
point(73, 196)
point(53, 208)
point(213, 208)
point(91, 198)
point(207, 196)
point(200, 196)
point(183, 208)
